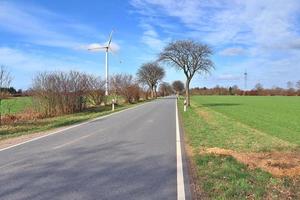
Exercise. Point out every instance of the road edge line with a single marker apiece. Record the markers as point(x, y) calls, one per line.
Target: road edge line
point(180, 179)
point(72, 126)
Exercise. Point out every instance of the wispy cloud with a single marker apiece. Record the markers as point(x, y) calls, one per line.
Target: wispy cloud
point(95, 47)
point(264, 34)
point(40, 26)
point(151, 38)
point(229, 77)
point(36, 60)
point(234, 51)
point(266, 23)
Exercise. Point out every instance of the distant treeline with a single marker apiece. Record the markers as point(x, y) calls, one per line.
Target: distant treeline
point(12, 91)
point(257, 91)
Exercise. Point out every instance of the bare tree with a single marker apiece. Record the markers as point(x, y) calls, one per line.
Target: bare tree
point(150, 74)
point(125, 86)
point(96, 90)
point(259, 88)
point(5, 81)
point(178, 87)
point(62, 92)
point(290, 85)
point(165, 89)
point(189, 56)
point(298, 85)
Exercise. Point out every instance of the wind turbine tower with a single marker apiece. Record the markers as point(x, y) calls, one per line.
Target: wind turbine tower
point(107, 48)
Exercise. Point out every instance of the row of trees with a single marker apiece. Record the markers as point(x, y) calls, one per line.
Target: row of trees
point(186, 55)
point(68, 92)
point(258, 90)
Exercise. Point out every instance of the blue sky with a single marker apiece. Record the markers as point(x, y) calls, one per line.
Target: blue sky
point(262, 37)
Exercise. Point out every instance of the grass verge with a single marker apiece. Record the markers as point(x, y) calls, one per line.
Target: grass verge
point(40, 125)
point(222, 176)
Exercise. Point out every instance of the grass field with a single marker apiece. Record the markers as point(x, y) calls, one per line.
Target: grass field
point(16, 105)
point(242, 125)
point(277, 116)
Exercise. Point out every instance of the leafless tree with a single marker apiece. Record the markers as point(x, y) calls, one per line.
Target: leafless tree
point(298, 85)
point(150, 74)
point(290, 85)
point(178, 86)
point(124, 85)
point(165, 89)
point(96, 91)
point(259, 88)
point(5, 81)
point(190, 56)
point(61, 92)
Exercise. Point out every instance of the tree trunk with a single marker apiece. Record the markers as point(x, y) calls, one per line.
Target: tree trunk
point(0, 112)
point(152, 92)
point(187, 92)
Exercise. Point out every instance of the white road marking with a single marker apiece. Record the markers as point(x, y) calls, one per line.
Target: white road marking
point(73, 126)
point(180, 179)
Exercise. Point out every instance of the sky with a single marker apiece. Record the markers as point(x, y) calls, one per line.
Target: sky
point(260, 37)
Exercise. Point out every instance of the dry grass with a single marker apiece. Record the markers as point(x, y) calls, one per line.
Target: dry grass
point(279, 164)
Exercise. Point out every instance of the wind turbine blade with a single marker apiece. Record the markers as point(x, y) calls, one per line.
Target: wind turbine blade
point(110, 38)
point(96, 48)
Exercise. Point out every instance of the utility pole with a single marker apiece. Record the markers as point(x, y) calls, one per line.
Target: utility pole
point(245, 81)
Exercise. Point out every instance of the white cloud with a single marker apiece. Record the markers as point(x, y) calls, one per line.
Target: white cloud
point(32, 61)
point(261, 23)
point(228, 77)
point(234, 51)
point(151, 38)
point(265, 34)
point(94, 47)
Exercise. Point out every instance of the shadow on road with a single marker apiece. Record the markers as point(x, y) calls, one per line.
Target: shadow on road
point(109, 171)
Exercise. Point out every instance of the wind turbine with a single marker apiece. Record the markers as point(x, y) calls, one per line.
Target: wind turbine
point(106, 48)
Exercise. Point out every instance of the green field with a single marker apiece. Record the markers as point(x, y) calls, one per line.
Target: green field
point(277, 116)
point(16, 105)
point(242, 124)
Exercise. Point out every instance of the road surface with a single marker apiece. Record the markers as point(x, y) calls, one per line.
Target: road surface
point(128, 155)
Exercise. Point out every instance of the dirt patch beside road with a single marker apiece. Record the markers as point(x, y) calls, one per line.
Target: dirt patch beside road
point(276, 163)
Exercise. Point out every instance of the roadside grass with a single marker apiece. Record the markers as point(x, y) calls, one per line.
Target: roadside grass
point(209, 128)
point(214, 122)
point(15, 105)
point(222, 177)
point(40, 125)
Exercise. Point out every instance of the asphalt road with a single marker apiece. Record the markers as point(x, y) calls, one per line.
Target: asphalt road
point(128, 155)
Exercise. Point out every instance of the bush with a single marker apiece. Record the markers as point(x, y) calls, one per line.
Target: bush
point(66, 92)
point(124, 85)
